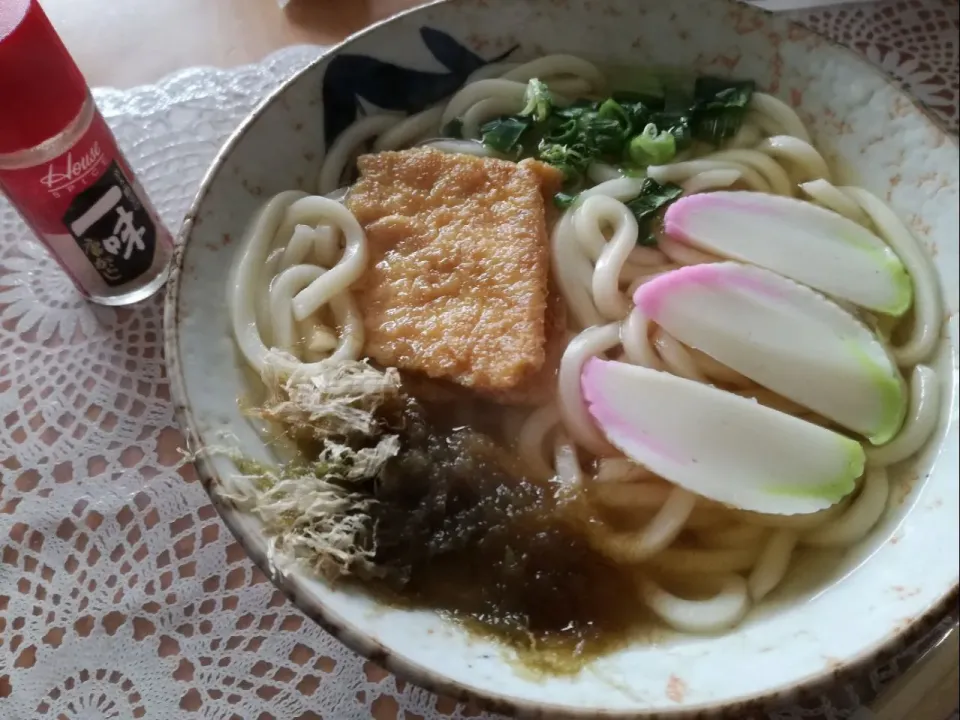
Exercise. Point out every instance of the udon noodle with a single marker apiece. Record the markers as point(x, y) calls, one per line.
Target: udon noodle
point(708, 564)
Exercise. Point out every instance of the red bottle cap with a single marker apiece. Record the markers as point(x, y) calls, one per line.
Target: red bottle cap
point(41, 88)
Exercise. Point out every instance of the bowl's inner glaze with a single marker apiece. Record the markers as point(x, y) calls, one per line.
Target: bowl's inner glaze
point(833, 609)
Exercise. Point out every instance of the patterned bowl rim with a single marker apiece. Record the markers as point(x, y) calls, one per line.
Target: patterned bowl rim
point(368, 647)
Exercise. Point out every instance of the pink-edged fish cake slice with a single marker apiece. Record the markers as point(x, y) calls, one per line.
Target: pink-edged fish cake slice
point(785, 337)
point(717, 444)
point(797, 239)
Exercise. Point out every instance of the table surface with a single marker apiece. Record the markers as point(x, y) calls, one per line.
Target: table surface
point(133, 42)
point(122, 43)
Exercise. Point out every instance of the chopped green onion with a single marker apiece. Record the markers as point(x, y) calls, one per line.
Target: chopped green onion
point(538, 100)
point(652, 147)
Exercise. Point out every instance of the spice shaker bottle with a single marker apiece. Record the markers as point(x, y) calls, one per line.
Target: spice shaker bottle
point(62, 170)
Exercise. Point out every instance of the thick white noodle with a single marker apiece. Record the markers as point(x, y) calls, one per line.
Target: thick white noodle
point(573, 272)
point(590, 343)
point(682, 253)
point(327, 244)
point(772, 564)
point(284, 286)
point(927, 310)
point(734, 536)
point(566, 462)
point(766, 124)
point(630, 495)
point(591, 217)
point(460, 147)
point(566, 90)
point(348, 317)
point(619, 470)
point(718, 371)
point(647, 258)
point(245, 277)
point(859, 519)
point(634, 334)
point(679, 172)
point(320, 340)
point(531, 442)
point(346, 145)
point(623, 188)
point(798, 153)
point(262, 291)
point(710, 180)
point(589, 228)
point(406, 132)
point(782, 115)
point(635, 546)
point(470, 95)
point(720, 612)
point(275, 224)
point(775, 176)
point(302, 243)
point(688, 561)
point(312, 210)
point(832, 198)
point(921, 420)
point(551, 66)
point(598, 172)
point(747, 136)
point(675, 356)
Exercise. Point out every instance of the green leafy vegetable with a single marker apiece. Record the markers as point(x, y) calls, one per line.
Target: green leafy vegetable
point(613, 110)
point(631, 130)
point(651, 103)
point(652, 197)
point(538, 100)
point(564, 200)
point(504, 134)
point(720, 107)
point(653, 147)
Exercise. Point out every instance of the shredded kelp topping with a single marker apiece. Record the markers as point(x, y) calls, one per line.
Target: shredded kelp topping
point(335, 400)
point(431, 514)
point(318, 512)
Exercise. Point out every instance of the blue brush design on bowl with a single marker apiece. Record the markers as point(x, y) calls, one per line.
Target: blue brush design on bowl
point(391, 87)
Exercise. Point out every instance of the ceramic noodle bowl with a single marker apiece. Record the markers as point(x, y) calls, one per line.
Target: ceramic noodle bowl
point(835, 612)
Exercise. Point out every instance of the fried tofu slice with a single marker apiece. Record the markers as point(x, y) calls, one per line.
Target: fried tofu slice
point(540, 386)
point(551, 182)
point(536, 389)
point(457, 284)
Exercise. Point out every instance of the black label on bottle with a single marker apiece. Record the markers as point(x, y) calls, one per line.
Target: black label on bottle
point(113, 228)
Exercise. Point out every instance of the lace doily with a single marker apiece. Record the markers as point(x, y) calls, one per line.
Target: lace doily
point(121, 593)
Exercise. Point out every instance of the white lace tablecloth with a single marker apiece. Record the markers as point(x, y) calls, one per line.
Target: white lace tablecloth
point(121, 593)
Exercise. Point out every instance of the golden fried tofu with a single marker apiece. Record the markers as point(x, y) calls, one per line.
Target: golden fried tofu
point(541, 385)
point(456, 287)
point(537, 388)
point(551, 182)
